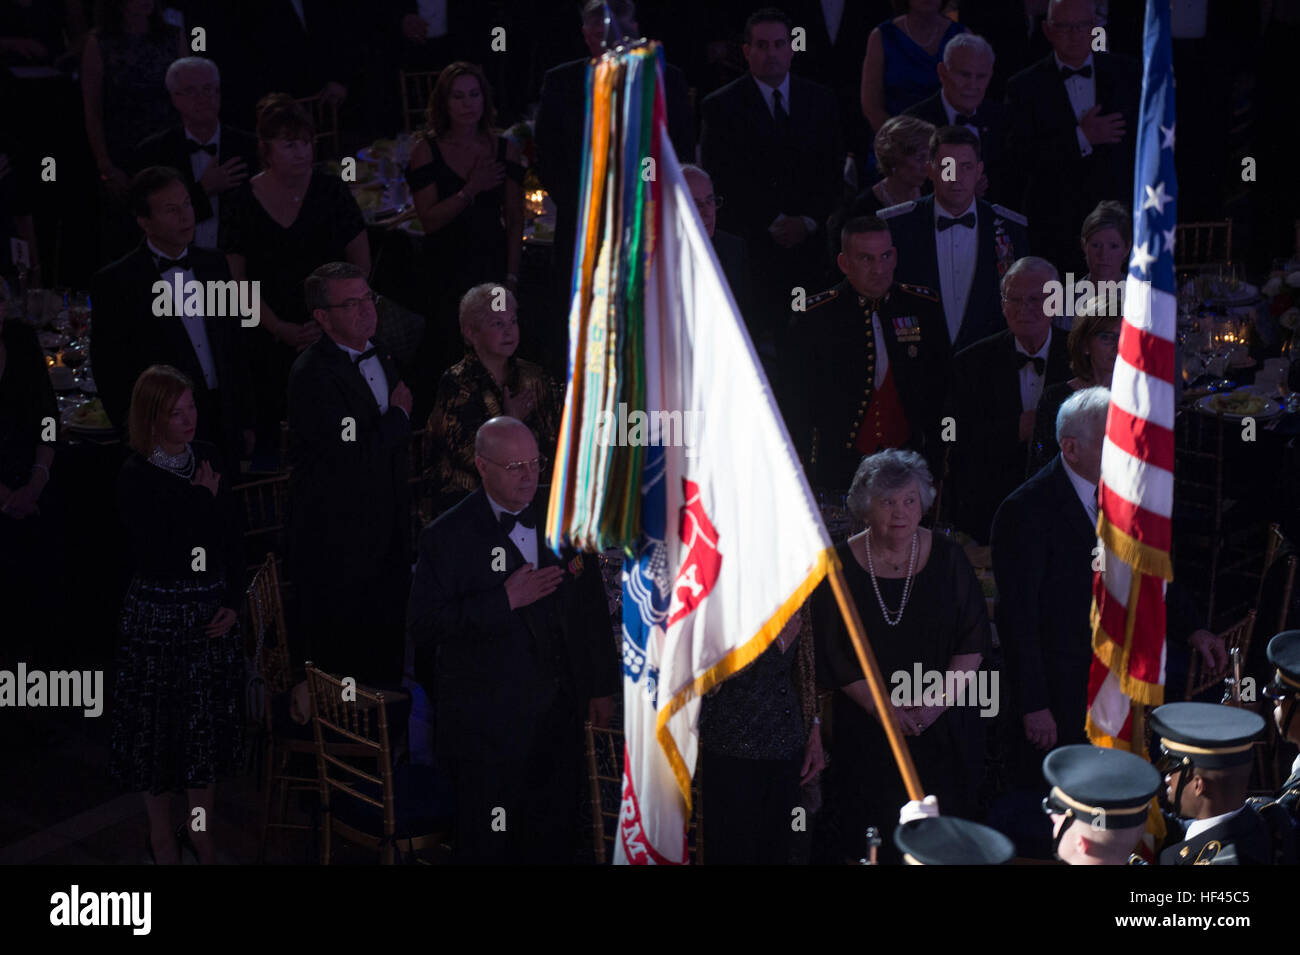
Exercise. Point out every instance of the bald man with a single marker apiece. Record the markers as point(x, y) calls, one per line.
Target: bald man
point(519, 647)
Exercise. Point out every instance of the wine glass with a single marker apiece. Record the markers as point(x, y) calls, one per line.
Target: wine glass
point(79, 314)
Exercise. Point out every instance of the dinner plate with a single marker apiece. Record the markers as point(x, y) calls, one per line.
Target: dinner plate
point(1271, 407)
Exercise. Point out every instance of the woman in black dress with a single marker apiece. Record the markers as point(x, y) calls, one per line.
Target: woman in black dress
point(177, 702)
point(28, 549)
point(920, 604)
point(285, 222)
point(467, 186)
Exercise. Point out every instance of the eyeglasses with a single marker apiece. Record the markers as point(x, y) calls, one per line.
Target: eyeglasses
point(537, 464)
point(1035, 301)
point(709, 200)
point(354, 304)
point(208, 89)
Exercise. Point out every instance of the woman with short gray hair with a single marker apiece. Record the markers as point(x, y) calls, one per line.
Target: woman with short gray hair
point(924, 613)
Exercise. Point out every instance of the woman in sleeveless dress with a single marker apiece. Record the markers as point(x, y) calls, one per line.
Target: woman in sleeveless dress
point(899, 69)
point(467, 185)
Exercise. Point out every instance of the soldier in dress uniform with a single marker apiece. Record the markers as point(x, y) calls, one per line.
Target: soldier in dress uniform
point(1207, 756)
point(1098, 802)
point(955, 243)
point(1284, 654)
point(871, 366)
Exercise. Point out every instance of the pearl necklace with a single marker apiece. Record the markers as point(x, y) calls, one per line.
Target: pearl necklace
point(907, 583)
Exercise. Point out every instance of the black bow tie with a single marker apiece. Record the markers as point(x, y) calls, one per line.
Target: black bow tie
point(209, 148)
point(1040, 364)
point(368, 353)
point(524, 517)
point(165, 264)
point(1084, 71)
point(962, 119)
point(968, 220)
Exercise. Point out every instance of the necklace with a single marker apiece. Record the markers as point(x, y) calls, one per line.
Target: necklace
point(181, 465)
point(907, 583)
point(907, 28)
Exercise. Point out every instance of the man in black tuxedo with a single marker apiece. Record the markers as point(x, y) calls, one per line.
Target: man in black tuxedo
point(349, 430)
point(996, 384)
point(1073, 122)
point(213, 158)
point(957, 244)
point(1043, 539)
point(128, 334)
point(964, 76)
point(772, 143)
point(872, 363)
point(561, 118)
point(518, 641)
point(727, 247)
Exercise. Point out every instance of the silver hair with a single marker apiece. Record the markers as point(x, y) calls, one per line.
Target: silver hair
point(476, 304)
point(967, 41)
point(698, 170)
point(1028, 263)
point(196, 63)
point(1083, 415)
point(889, 470)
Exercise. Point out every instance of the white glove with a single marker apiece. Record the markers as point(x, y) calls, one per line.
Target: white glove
point(928, 808)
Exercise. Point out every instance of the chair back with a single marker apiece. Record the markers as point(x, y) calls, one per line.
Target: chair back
point(353, 753)
point(1236, 637)
point(267, 628)
point(325, 120)
point(1277, 544)
point(1198, 244)
point(264, 503)
point(416, 87)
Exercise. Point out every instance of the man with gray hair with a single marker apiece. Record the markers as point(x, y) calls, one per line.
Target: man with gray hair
point(1044, 537)
point(728, 247)
point(997, 383)
point(964, 75)
point(213, 158)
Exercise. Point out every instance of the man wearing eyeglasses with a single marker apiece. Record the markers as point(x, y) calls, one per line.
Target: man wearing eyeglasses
point(994, 396)
point(518, 643)
point(1073, 126)
point(729, 248)
point(349, 429)
point(214, 158)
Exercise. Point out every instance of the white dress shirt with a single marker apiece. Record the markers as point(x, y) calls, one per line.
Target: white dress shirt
point(1082, 91)
point(951, 112)
point(1086, 490)
point(434, 14)
point(193, 324)
point(525, 538)
point(1197, 826)
point(372, 369)
point(958, 251)
point(205, 232)
point(833, 12)
point(1031, 382)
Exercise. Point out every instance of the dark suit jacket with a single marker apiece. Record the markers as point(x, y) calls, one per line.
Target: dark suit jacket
point(1042, 560)
point(300, 60)
point(991, 121)
point(169, 148)
point(348, 498)
point(561, 115)
point(1002, 240)
point(496, 669)
point(826, 404)
point(759, 175)
point(730, 251)
point(1062, 186)
point(987, 459)
point(126, 338)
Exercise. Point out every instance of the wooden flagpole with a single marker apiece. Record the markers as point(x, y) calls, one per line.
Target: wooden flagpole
point(867, 660)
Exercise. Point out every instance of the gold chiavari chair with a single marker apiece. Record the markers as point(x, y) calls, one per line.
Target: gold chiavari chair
point(325, 120)
point(1198, 244)
point(1236, 637)
point(363, 798)
point(416, 87)
point(264, 503)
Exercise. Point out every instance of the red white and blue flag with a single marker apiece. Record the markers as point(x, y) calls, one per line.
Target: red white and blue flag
point(1136, 494)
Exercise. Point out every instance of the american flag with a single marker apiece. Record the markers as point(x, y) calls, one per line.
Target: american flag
point(1137, 465)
